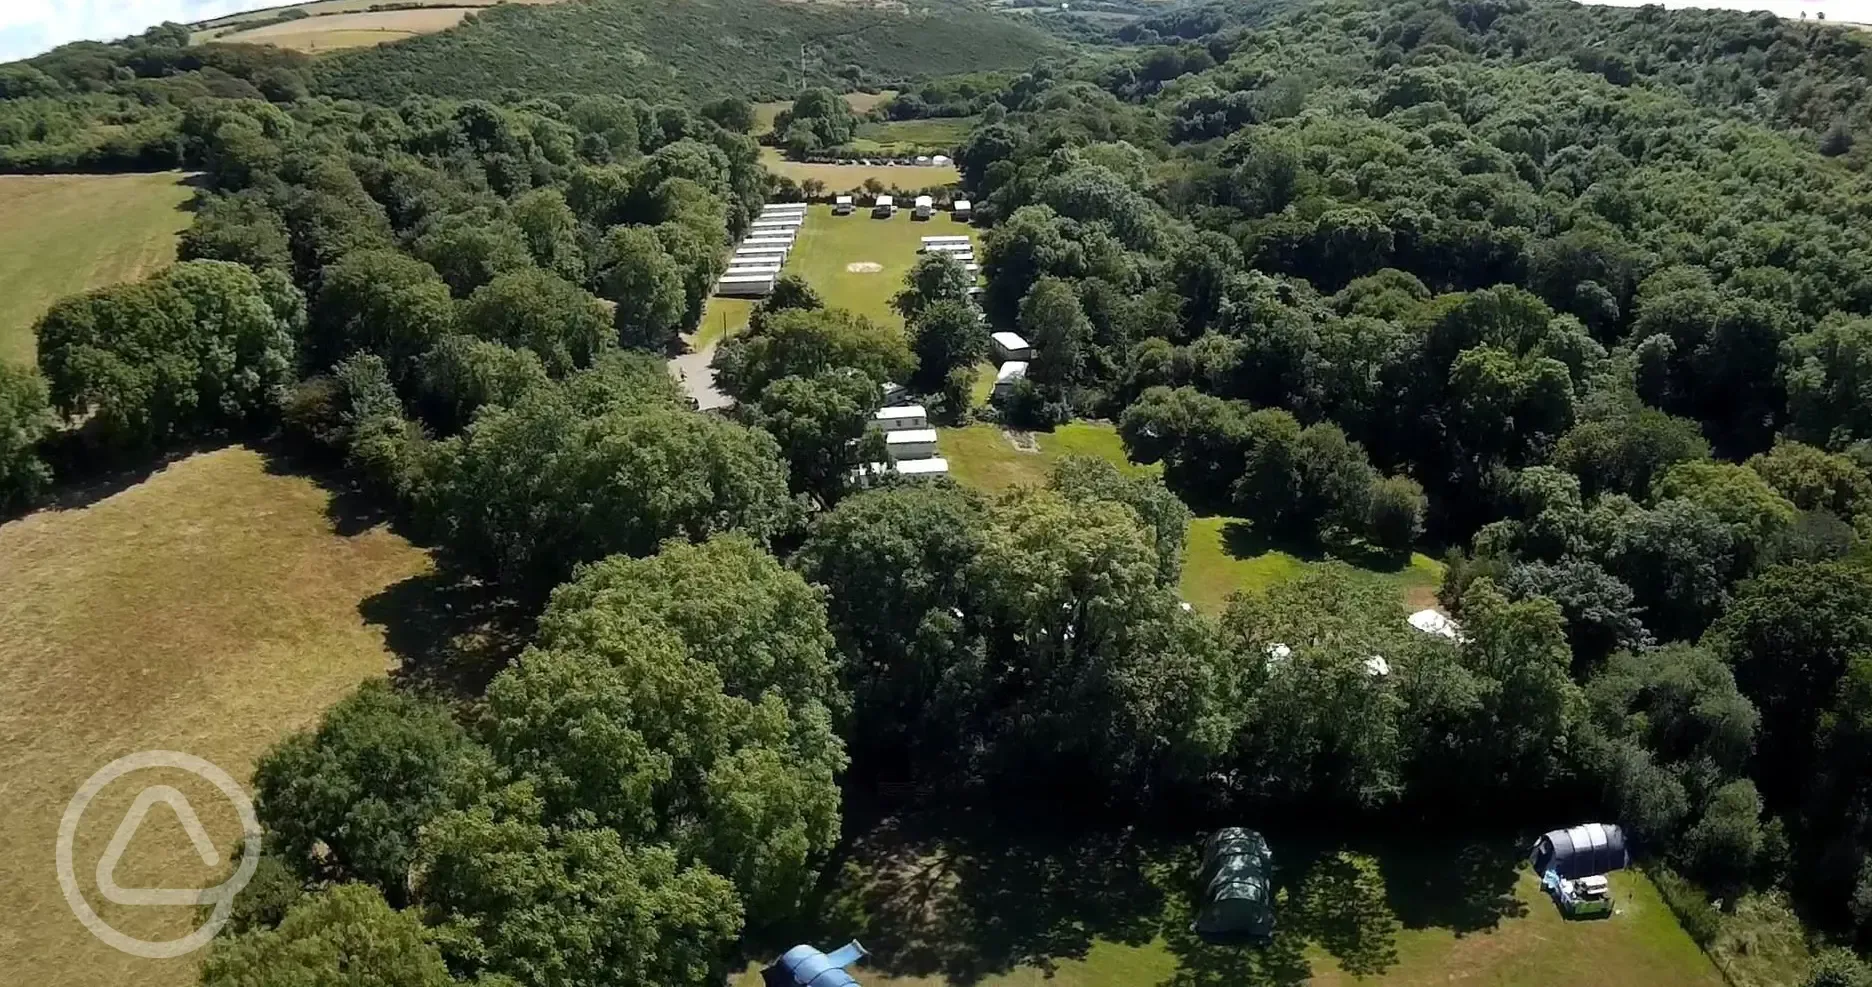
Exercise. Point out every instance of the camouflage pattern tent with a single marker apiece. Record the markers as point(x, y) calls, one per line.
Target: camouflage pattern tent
point(1235, 903)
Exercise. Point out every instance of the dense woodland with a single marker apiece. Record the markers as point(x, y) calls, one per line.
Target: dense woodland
point(1581, 296)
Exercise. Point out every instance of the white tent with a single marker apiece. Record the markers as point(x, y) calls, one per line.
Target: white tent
point(1432, 622)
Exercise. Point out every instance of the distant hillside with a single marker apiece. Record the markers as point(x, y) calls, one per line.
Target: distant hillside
point(697, 48)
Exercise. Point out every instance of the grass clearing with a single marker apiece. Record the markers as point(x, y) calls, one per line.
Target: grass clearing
point(71, 233)
point(208, 609)
point(981, 455)
point(861, 103)
point(846, 177)
point(1111, 910)
point(1224, 556)
point(829, 245)
point(909, 136)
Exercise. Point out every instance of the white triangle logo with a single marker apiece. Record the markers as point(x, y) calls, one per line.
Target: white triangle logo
point(126, 830)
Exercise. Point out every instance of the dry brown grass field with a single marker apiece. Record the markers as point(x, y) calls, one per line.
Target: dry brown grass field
point(336, 24)
point(69, 233)
point(208, 609)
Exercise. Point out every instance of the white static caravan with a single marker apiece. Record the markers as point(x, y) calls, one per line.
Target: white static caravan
point(1010, 346)
point(962, 210)
point(745, 285)
point(893, 393)
point(911, 443)
point(761, 253)
point(946, 238)
point(769, 268)
point(843, 206)
point(1011, 373)
point(769, 241)
point(899, 417)
point(885, 207)
point(762, 226)
point(933, 466)
point(925, 207)
point(784, 208)
point(951, 247)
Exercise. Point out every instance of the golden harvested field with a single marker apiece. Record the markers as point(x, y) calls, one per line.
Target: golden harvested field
point(71, 233)
point(358, 30)
point(209, 609)
point(336, 24)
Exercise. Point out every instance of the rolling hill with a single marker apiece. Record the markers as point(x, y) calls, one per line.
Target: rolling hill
point(662, 49)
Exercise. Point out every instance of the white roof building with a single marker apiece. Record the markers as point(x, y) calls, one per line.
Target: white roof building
point(902, 416)
point(1011, 371)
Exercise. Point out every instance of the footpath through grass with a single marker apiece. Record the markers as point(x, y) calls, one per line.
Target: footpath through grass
point(1113, 910)
point(208, 609)
point(70, 233)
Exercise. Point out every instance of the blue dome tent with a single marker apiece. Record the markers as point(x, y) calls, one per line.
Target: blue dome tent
point(804, 966)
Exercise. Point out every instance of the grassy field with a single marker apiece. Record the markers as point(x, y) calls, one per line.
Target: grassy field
point(764, 113)
point(336, 24)
point(909, 136)
point(829, 246)
point(1102, 911)
point(844, 178)
point(71, 233)
point(983, 457)
point(208, 609)
point(1224, 556)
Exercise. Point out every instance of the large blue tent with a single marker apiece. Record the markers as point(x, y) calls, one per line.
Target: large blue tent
point(805, 966)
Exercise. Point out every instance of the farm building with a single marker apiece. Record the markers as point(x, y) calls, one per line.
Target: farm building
point(884, 208)
point(962, 211)
point(1235, 904)
point(1012, 372)
point(1582, 851)
point(804, 966)
point(899, 417)
point(745, 285)
point(1010, 346)
point(911, 443)
point(843, 206)
point(925, 207)
point(1432, 622)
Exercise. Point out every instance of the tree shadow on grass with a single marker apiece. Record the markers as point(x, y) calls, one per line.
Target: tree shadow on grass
point(1241, 540)
point(983, 898)
point(1465, 888)
point(1281, 963)
point(452, 634)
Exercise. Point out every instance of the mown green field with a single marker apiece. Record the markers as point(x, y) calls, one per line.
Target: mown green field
point(836, 254)
point(70, 233)
point(907, 136)
point(1224, 556)
point(1104, 911)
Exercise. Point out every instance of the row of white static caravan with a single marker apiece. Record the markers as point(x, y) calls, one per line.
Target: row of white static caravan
point(1011, 373)
point(911, 443)
point(898, 417)
point(1010, 346)
point(745, 285)
point(843, 205)
point(933, 466)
